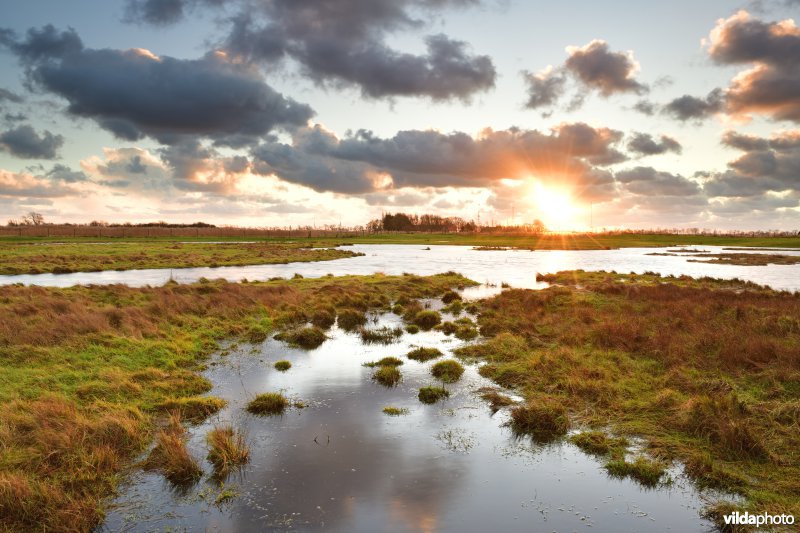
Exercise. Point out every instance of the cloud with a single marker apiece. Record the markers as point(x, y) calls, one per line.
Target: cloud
point(62, 173)
point(645, 107)
point(644, 144)
point(344, 43)
point(362, 162)
point(24, 142)
point(24, 184)
point(772, 86)
point(647, 181)
point(544, 87)
point(6, 95)
point(133, 93)
point(767, 165)
point(600, 69)
point(689, 107)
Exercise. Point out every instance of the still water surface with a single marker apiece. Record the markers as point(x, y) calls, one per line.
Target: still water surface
point(516, 267)
point(340, 464)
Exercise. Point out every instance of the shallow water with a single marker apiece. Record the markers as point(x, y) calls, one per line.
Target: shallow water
point(515, 267)
point(341, 464)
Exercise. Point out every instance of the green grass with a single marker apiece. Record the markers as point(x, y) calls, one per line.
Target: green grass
point(308, 337)
point(545, 419)
point(646, 471)
point(706, 372)
point(267, 404)
point(395, 411)
point(424, 354)
point(448, 371)
point(85, 257)
point(388, 376)
point(282, 365)
point(432, 394)
point(86, 372)
point(600, 444)
point(386, 361)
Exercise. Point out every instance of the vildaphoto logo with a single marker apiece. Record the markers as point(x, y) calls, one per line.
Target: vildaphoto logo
point(758, 520)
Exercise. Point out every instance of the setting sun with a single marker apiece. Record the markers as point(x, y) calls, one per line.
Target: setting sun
point(555, 207)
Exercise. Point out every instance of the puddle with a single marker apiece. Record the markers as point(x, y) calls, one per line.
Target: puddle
point(341, 464)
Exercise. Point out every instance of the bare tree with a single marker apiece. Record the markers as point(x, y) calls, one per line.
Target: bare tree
point(33, 219)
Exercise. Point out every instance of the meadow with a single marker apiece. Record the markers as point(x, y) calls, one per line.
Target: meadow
point(706, 372)
point(77, 256)
point(89, 376)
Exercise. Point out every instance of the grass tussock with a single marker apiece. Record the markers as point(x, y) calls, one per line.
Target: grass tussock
point(600, 444)
point(645, 471)
point(351, 319)
point(171, 457)
point(704, 370)
point(194, 409)
point(227, 450)
point(384, 335)
point(395, 411)
point(282, 365)
point(308, 337)
point(431, 395)
point(544, 420)
point(496, 399)
point(386, 361)
point(267, 404)
point(427, 319)
point(412, 329)
point(448, 371)
point(388, 376)
point(424, 354)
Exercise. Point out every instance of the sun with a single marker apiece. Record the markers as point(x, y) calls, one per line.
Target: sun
point(553, 206)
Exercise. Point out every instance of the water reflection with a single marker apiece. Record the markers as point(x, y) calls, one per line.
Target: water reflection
point(341, 464)
point(515, 267)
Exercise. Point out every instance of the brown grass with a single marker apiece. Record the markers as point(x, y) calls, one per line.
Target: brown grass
point(228, 450)
point(170, 455)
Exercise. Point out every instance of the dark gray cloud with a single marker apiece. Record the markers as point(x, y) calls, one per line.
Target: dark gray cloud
point(14, 117)
point(772, 86)
point(133, 93)
point(544, 88)
point(344, 42)
point(8, 96)
point(65, 174)
point(766, 165)
point(23, 141)
point(647, 181)
point(644, 144)
point(362, 162)
point(600, 69)
point(645, 107)
point(689, 107)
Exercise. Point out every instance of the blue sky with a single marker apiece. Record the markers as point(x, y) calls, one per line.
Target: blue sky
point(77, 148)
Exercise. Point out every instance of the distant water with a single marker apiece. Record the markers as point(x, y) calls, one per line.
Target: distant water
point(515, 267)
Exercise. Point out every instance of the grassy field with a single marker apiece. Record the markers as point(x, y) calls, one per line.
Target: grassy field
point(35, 258)
point(87, 372)
point(544, 242)
point(707, 372)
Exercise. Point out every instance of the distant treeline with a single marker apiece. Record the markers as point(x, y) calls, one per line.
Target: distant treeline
point(439, 224)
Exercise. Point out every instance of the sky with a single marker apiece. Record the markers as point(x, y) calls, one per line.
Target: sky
point(582, 114)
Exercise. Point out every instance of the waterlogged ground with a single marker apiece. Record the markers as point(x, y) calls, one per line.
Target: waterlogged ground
point(341, 464)
point(515, 267)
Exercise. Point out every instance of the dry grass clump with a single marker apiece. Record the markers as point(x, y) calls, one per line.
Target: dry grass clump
point(598, 443)
point(448, 371)
point(351, 319)
point(268, 403)
point(496, 400)
point(309, 337)
point(227, 451)
point(171, 457)
point(432, 394)
point(384, 335)
point(424, 354)
point(544, 419)
point(427, 319)
point(194, 409)
point(646, 471)
point(450, 297)
point(324, 317)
